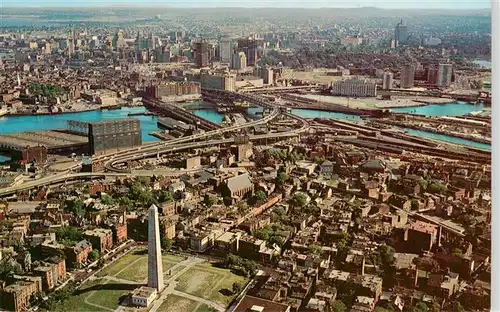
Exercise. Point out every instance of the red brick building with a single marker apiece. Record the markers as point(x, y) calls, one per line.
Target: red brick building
point(101, 239)
point(37, 153)
point(78, 254)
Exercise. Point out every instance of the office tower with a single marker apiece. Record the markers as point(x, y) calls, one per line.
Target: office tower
point(387, 81)
point(444, 75)
point(71, 42)
point(432, 75)
point(407, 76)
point(354, 87)
point(47, 50)
point(113, 135)
point(225, 50)
point(267, 74)
point(401, 34)
point(239, 61)
point(119, 41)
point(201, 53)
point(249, 47)
point(155, 268)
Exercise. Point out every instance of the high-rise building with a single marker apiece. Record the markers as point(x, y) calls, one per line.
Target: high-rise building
point(71, 42)
point(239, 61)
point(201, 53)
point(387, 81)
point(119, 41)
point(218, 80)
point(225, 50)
point(432, 75)
point(401, 34)
point(407, 76)
point(354, 87)
point(267, 74)
point(114, 135)
point(444, 75)
point(155, 266)
point(250, 48)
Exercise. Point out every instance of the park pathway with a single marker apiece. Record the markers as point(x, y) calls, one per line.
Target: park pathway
point(201, 300)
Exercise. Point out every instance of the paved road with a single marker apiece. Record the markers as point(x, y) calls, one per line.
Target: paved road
point(171, 284)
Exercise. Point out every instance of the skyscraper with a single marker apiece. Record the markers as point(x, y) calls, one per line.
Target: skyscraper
point(407, 76)
point(249, 47)
point(225, 50)
point(71, 42)
point(401, 34)
point(239, 61)
point(387, 81)
point(432, 75)
point(155, 268)
point(201, 53)
point(444, 75)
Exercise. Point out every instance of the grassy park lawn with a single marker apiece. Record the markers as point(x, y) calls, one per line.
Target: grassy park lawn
point(212, 283)
point(175, 303)
point(98, 295)
point(108, 294)
point(138, 271)
point(123, 263)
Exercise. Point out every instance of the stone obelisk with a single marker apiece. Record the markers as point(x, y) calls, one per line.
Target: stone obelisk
point(155, 267)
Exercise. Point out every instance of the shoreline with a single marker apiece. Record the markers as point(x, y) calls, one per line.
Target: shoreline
point(69, 112)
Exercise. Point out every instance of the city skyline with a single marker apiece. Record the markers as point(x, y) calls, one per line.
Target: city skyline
point(409, 4)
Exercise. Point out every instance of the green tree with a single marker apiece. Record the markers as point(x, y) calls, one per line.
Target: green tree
point(209, 201)
point(457, 252)
point(125, 202)
point(236, 288)
point(165, 196)
point(9, 268)
point(299, 200)
point(385, 255)
point(75, 206)
point(420, 307)
point(279, 215)
point(423, 184)
point(437, 188)
point(69, 235)
point(108, 200)
point(259, 197)
point(94, 255)
point(480, 84)
point(165, 242)
point(339, 306)
point(315, 249)
point(141, 193)
point(232, 261)
point(281, 178)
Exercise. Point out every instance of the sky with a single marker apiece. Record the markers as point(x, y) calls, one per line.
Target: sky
point(384, 4)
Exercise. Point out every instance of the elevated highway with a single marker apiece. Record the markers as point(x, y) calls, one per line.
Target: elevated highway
point(117, 173)
point(178, 113)
point(281, 89)
point(112, 159)
point(111, 164)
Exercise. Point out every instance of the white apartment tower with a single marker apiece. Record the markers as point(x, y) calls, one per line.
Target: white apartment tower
point(444, 75)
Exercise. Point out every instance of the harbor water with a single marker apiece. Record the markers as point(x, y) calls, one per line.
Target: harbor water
point(11, 124)
point(436, 110)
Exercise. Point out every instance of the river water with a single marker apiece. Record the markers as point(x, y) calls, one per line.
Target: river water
point(452, 109)
point(148, 123)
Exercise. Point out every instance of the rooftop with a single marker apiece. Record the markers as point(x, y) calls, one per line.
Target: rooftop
point(249, 303)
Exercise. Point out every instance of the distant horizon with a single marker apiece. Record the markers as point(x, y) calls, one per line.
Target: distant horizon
point(311, 4)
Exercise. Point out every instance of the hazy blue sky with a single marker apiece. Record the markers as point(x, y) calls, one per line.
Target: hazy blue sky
point(386, 4)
